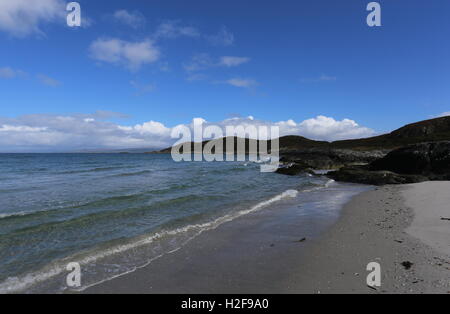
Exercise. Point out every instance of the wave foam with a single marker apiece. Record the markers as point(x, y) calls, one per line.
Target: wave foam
point(18, 214)
point(17, 284)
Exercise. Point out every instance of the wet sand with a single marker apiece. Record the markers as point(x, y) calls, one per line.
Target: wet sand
point(266, 253)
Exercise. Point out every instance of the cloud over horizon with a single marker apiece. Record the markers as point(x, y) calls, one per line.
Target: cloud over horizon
point(79, 132)
point(444, 114)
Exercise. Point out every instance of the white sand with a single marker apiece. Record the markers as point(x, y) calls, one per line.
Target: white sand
point(430, 202)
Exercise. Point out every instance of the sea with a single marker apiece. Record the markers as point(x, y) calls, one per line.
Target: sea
point(115, 213)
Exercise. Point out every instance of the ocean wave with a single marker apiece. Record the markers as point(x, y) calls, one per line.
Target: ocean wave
point(18, 284)
point(98, 169)
point(227, 170)
point(96, 217)
point(130, 174)
point(311, 187)
point(94, 203)
point(17, 214)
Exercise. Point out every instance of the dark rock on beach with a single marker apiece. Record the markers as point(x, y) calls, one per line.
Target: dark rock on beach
point(430, 159)
point(410, 164)
point(407, 265)
point(365, 176)
point(328, 158)
point(293, 169)
point(302, 161)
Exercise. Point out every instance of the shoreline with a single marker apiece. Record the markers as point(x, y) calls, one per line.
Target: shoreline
point(374, 227)
point(242, 258)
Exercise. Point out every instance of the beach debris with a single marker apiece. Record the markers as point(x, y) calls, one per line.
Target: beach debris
point(373, 288)
point(272, 245)
point(301, 240)
point(444, 218)
point(399, 241)
point(407, 265)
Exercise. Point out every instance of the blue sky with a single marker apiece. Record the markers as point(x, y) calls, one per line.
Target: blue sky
point(170, 61)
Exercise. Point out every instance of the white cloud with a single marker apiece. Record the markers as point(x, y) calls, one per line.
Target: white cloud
point(197, 121)
point(444, 114)
point(243, 83)
point(133, 19)
point(86, 21)
point(174, 29)
point(322, 78)
point(196, 77)
point(20, 128)
point(132, 55)
point(199, 62)
point(21, 18)
point(9, 73)
point(46, 80)
point(233, 61)
point(329, 129)
point(148, 128)
point(320, 128)
point(327, 78)
point(142, 88)
point(222, 38)
point(204, 61)
point(41, 132)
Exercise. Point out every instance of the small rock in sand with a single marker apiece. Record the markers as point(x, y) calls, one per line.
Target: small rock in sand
point(407, 265)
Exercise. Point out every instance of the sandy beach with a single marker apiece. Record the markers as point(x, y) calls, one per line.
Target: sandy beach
point(403, 228)
point(391, 225)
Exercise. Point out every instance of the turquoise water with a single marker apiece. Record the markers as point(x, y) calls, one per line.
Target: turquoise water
point(115, 212)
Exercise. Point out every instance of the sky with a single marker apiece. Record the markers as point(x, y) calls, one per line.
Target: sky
point(136, 70)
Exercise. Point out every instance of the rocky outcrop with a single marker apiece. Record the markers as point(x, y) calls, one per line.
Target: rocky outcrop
point(365, 176)
point(410, 164)
point(326, 158)
point(293, 169)
point(424, 159)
